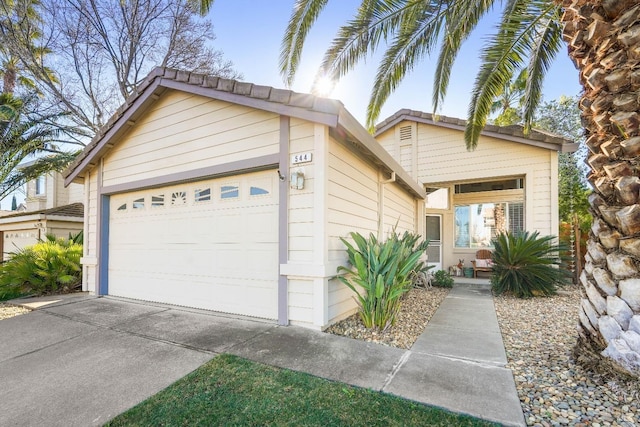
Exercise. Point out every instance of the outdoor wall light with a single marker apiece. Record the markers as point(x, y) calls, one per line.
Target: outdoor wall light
point(297, 180)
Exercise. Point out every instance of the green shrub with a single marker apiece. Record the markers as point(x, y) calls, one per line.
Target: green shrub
point(527, 265)
point(49, 266)
point(380, 274)
point(442, 279)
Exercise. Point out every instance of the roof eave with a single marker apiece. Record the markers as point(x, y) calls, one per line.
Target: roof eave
point(102, 143)
point(458, 124)
point(368, 142)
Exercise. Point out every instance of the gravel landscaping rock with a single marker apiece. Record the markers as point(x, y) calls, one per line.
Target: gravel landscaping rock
point(418, 305)
point(8, 310)
point(539, 335)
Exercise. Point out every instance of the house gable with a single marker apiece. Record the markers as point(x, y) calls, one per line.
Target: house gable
point(183, 131)
point(514, 133)
point(287, 103)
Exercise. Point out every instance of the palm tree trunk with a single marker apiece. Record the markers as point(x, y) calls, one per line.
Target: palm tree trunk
point(604, 42)
point(9, 80)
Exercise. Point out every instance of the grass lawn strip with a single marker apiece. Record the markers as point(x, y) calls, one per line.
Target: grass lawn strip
point(230, 390)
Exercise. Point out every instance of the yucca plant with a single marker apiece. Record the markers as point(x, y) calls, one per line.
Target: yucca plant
point(49, 266)
point(380, 273)
point(526, 265)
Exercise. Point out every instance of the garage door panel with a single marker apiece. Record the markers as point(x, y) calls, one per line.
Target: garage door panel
point(217, 249)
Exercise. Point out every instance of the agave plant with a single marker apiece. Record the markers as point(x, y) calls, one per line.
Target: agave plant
point(380, 273)
point(526, 265)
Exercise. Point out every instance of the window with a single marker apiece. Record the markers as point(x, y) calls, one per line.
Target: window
point(157, 201)
point(476, 187)
point(41, 185)
point(257, 191)
point(122, 207)
point(138, 204)
point(477, 224)
point(203, 195)
point(179, 198)
point(229, 192)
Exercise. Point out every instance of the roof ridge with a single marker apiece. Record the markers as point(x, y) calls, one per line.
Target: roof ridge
point(513, 130)
point(286, 97)
point(72, 209)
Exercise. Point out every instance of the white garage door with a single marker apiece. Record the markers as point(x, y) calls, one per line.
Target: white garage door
point(211, 244)
point(15, 240)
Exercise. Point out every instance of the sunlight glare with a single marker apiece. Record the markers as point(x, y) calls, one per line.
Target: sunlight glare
point(323, 86)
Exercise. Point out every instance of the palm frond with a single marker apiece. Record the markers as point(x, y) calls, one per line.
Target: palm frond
point(375, 21)
point(462, 18)
point(416, 38)
point(304, 15)
point(505, 54)
point(546, 44)
point(18, 177)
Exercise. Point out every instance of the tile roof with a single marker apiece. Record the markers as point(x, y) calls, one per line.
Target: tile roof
point(269, 94)
point(72, 210)
point(508, 132)
point(329, 112)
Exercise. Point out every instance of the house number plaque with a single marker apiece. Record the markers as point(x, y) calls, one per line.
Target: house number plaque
point(296, 159)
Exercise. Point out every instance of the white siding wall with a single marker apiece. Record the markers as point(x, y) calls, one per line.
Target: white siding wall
point(184, 132)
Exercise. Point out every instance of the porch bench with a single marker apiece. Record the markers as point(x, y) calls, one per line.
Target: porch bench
point(482, 262)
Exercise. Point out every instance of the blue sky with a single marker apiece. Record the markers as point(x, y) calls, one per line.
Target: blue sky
point(249, 33)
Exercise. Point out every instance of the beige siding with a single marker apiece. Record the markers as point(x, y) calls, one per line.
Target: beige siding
point(388, 141)
point(300, 296)
point(185, 132)
point(352, 198)
point(75, 193)
point(443, 161)
point(63, 229)
point(342, 304)
point(90, 245)
point(353, 193)
point(399, 210)
point(301, 202)
point(301, 225)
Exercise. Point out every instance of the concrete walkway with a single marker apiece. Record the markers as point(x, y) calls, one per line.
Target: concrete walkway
point(82, 360)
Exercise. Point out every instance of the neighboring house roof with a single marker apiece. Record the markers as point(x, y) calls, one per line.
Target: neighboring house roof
point(304, 106)
point(513, 133)
point(67, 212)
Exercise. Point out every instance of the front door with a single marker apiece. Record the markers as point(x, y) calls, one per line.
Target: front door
point(433, 232)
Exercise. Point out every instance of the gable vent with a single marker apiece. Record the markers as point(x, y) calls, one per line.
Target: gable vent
point(406, 134)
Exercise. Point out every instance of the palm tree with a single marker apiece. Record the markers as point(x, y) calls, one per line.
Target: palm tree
point(509, 101)
point(24, 133)
point(20, 17)
point(603, 39)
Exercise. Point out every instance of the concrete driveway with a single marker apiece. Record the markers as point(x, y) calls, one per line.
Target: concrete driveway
point(83, 360)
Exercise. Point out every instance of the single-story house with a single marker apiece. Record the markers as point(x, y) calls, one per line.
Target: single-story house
point(508, 183)
point(23, 229)
point(211, 193)
point(49, 208)
point(228, 196)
